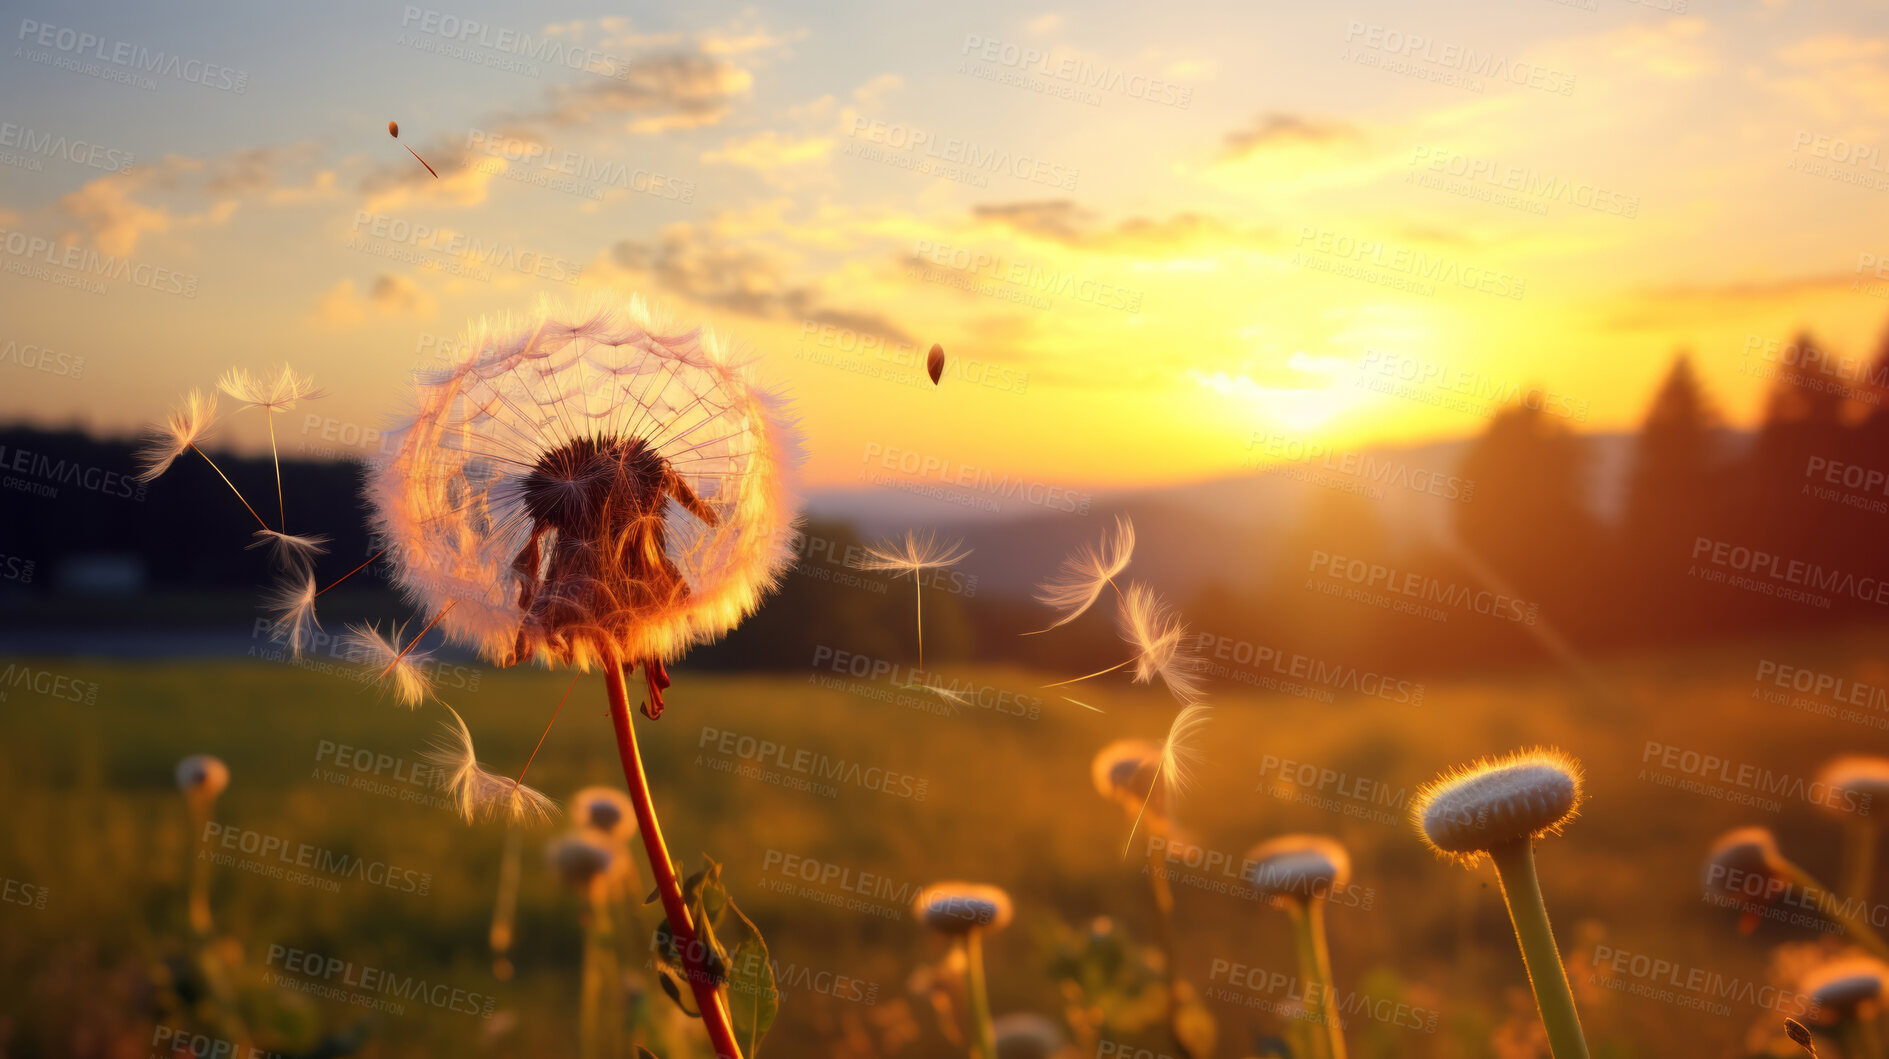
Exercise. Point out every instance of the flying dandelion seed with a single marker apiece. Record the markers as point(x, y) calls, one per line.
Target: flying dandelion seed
point(593, 487)
point(1086, 573)
point(1174, 773)
point(393, 129)
point(477, 791)
point(913, 555)
point(292, 605)
point(382, 658)
point(274, 396)
point(290, 551)
point(181, 430)
point(1162, 646)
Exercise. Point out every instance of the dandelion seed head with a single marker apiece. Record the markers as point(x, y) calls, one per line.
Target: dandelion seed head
point(1162, 646)
point(911, 554)
point(381, 659)
point(1518, 796)
point(606, 811)
point(961, 907)
point(1087, 572)
point(1123, 771)
point(478, 792)
point(585, 482)
point(582, 860)
point(291, 604)
point(1027, 1035)
point(1844, 988)
point(1741, 855)
point(1863, 776)
point(187, 423)
point(1298, 868)
point(203, 776)
point(276, 393)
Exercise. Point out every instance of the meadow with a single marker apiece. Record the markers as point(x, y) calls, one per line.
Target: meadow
point(830, 800)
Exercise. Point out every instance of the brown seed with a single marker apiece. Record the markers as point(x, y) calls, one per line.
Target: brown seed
point(935, 363)
point(393, 129)
point(1795, 1031)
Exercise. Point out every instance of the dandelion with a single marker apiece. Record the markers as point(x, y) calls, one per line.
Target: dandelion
point(606, 811)
point(1086, 573)
point(273, 395)
point(202, 778)
point(1162, 646)
point(1027, 1035)
point(1124, 772)
point(1745, 865)
point(1299, 873)
point(1860, 784)
point(1174, 768)
point(588, 863)
point(1846, 995)
point(182, 429)
point(478, 791)
point(292, 607)
point(913, 555)
point(382, 657)
point(1499, 807)
point(599, 488)
point(964, 912)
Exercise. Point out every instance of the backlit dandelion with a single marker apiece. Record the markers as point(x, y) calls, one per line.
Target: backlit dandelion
point(592, 487)
point(202, 778)
point(1086, 573)
point(478, 791)
point(1174, 769)
point(401, 669)
point(913, 555)
point(186, 424)
point(964, 912)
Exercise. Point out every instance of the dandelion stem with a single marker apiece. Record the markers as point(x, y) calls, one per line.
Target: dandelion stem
point(708, 998)
point(918, 594)
point(1308, 935)
point(1143, 811)
point(983, 1032)
point(276, 457)
point(356, 570)
point(415, 642)
point(1843, 913)
point(1521, 890)
point(1164, 936)
point(1097, 673)
point(232, 485)
point(543, 735)
point(200, 877)
point(1859, 859)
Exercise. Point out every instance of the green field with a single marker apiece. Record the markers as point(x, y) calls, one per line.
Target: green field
point(99, 847)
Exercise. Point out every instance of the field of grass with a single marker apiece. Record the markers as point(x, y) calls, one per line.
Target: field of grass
point(99, 846)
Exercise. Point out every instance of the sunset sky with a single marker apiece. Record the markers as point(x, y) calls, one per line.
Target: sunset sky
point(1141, 232)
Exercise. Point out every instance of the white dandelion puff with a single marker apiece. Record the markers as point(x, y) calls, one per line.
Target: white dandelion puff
point(912, 554)
point(292, 604)
point(186, 424)
point(1086, 573)
point(277, 393)
point(291, 551)
point(1162, 646)
point(383, 659)
point(588, 485)
point(478, 791)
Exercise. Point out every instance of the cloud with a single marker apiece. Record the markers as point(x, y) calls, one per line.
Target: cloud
point(120, 210)
point(738, 276)
point(874, 91)
point(1066, 222)
point(769, 150)
point(679, 90)
point(390, 296)
point(1276, 128)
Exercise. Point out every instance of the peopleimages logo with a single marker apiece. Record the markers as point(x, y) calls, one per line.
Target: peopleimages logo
point(78, 44)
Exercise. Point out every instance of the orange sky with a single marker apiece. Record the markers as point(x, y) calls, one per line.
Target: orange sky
point(1142, 238)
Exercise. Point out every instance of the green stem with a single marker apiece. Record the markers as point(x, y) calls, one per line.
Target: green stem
point(200, 877)
point(1308, 934)
point(1860, 859)
point(1851, 915)
point(1515, 868)
point(983, 1033)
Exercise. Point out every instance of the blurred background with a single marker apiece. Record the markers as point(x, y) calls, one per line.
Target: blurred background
point(1475, 377)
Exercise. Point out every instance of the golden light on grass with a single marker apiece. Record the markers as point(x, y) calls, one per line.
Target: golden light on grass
point(1498, 807)
point(964, 912)
point(1298, 874)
